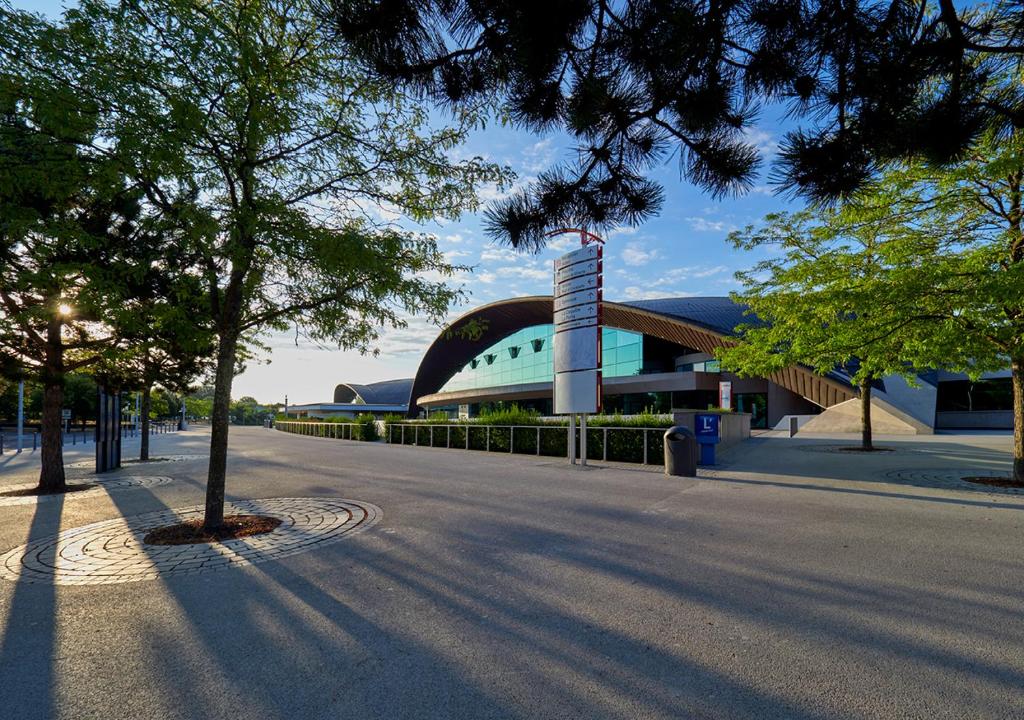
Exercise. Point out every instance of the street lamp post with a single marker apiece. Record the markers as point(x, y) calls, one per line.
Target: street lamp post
point(21, 414)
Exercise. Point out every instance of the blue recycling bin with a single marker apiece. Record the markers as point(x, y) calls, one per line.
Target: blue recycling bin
point(708, 435)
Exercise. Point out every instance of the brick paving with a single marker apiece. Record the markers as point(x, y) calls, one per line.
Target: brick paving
point(952, 479)
point(101, 485)
point(133, 463)
point(112, 551)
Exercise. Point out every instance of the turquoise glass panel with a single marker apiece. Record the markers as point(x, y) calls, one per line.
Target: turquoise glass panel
point(622, 352)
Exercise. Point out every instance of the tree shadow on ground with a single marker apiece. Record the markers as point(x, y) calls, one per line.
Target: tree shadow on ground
point(28, 674)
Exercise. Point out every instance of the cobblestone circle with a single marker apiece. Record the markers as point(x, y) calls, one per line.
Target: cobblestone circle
point(131, 463)
point(127, 482)
point(952, 479)
point(112, 551)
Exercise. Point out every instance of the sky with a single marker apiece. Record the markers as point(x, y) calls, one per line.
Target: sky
point(682, 251)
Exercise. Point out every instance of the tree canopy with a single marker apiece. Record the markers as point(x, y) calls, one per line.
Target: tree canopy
point(280, 161)
point(638, 82)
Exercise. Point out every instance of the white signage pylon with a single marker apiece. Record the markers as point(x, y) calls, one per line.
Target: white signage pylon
point(577, 338)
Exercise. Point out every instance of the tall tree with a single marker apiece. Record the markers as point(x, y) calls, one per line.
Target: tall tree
point(828, 297)
point(963, 261)
point(279, 154)
point(637, 82)
point(67, 246)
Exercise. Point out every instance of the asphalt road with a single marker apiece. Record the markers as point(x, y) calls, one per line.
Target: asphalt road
point(791, 584)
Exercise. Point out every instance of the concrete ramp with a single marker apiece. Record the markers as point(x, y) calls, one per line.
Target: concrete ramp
point(885, 420)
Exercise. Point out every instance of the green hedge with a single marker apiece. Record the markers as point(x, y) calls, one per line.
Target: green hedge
point(363, 427)
point(625, 444)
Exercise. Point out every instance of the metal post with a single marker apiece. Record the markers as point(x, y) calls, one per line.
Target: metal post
point(21, 415)
point(403, 434)
point(488, 445)
point(538, 439)
point(466, 428)
point(572, 438)
point(583, 439)
point(448, 442)
point(604, 446)
point(431, 436)
point(511, 437)
point(645, 445)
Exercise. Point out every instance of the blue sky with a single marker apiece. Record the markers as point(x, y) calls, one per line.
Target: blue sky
point(683, 251)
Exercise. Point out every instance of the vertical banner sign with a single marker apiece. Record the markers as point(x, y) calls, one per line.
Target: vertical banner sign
point(725, 394)
point(577, 340)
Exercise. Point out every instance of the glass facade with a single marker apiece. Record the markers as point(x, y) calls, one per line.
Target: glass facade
point(526, 357)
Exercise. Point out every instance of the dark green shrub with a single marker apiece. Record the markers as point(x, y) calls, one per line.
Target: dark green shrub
point(554, 441)
point(365, 428)
point(459, 436)
point(477, 438)
point(514, 415)
point(525, 441)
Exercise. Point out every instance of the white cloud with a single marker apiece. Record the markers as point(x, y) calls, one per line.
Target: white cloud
point(496, 253)
point(764, 141)
point(563, 243)
point(538, 156)
point(525, 273)
point(634, 292)
point(635, 253)
point(674, 276)
point(704, 225)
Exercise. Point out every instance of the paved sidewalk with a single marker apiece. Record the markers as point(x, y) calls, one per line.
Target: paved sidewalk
point(793, 582)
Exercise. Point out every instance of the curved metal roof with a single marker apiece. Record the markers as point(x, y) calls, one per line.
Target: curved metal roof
point(387, 392)
point(701, 323)
point(717, 314)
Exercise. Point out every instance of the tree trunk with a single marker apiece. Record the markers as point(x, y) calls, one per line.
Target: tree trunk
point(219, 416)
point(1017, 369)
point(865, 414)
point(51, 474)
point(144, 424)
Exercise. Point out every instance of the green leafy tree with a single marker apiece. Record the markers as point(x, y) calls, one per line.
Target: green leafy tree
point(68, 249)
point(827, 298)
point(168, 332)
point(276, 151)
point(962, 262)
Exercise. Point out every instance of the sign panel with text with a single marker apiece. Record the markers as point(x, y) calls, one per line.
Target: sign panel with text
point(577, 337)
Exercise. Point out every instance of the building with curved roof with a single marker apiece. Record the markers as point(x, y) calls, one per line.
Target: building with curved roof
point(351, 399)
point(657, 355)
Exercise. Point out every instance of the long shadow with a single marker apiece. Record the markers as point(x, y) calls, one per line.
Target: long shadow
point(235, 616)
point(27, 644)
point(316, 633)
point(875, 493)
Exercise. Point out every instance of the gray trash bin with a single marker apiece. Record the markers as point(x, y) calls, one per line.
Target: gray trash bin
point(680, 452)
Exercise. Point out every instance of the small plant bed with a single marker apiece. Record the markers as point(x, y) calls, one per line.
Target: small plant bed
point(191, 532)
point(993, 481)
point(859, 448)
point(34, 491)
point(136, 461)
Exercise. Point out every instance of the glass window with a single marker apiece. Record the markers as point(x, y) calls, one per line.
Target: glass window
point(526, 357)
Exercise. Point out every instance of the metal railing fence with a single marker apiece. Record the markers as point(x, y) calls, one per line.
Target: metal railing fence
point(641, 445)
